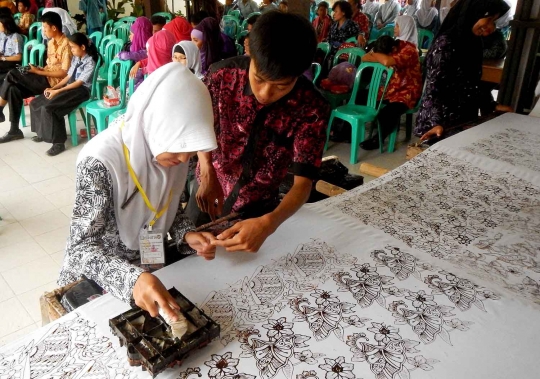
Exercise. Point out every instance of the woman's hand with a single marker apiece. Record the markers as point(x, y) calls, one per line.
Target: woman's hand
point(436, 131)
point(202, 243)
point(51, 93)
point(149, 294)
point(504, 108)
point(133, 71)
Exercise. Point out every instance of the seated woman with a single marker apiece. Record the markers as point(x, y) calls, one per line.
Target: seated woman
point(186, 52)
point(27, 18)
point(47, 112)
point(371, 8)
point(207, 37)
point(141, 30)
point(454, 69)
point(323, 22)
point(11, 45)
point(180, 28)
point(405, 87)
point(109, 216)
point(410, 8)
point(160, 46)
point(427, 16)
point(387, 14)
point(343, 28)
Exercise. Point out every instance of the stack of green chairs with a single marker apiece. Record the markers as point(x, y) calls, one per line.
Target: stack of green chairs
point(72, 116)
point(108, 27)
point(104, 41)
point(111, 50)
point(231, 26)
point(358, 115)
point(425, 38)
point(96, 39)
point(126, 20)
point(118, 75)
point(168, 16)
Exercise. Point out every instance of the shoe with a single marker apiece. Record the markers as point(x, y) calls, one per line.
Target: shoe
point(11, 137)
point(36, 139)
point(370, 144)
point(56, 149)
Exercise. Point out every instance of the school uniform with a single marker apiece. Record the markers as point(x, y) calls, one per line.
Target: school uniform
point(47, 116)
point(10, 45)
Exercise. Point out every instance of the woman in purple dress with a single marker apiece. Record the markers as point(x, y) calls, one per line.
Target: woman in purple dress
point(454, 69)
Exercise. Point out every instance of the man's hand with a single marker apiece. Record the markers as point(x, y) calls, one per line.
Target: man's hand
point(149, 293)
point(436, 131)
point(247, 235)
point(34, 70)
point(504, 108)
point(51, 93)
point(202, 243)
point(210, 194)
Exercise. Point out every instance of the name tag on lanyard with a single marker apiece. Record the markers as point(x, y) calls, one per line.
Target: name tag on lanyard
point(152, 249)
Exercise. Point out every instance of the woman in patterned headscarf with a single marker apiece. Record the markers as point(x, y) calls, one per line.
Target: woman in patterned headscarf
point(454, 69)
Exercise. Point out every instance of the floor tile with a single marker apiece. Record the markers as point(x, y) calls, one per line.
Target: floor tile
point(45, 222)
point(58, 257)
point(19, 334)
point(22, 158)
point(32, 275)
point(16, 196)
point(30, 300)
point(13, 233)
point(66, 168)
point(54, 241)
point(10, 179)
point(6, 217)
point(36, 173)
point(53, 185)
point(68, 210)
point(62, 198)
point(18, 254)
point(5, 290)
point(30, 208)
point(13, 317)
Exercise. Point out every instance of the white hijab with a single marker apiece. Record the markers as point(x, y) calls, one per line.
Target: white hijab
point(371, 7)
point(387, 9)
point(426, 14)
point(505, 19)
point(410, 10)
point(68, 25)
point(193, 57)
point(407, 29)
point(160, 118)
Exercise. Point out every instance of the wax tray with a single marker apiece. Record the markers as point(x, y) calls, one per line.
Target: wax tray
point(150, 342)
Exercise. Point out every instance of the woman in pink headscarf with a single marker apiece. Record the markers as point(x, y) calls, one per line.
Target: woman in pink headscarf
point(180, 28)
point(141, 31)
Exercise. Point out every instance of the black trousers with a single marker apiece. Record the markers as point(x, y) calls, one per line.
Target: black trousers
point(17, 87)
point(47, 116)
point(6, 67)
point(389, 117)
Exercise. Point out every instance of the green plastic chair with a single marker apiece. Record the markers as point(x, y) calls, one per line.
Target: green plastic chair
point(167, 15)
point(34, 31)
point(245, 22)
point(316, 69)
point(118, 72)
point(17, 18)
point(129, 20)
point(122, 32)
point(239, 49)
point(26, 50)
point(359, 115)
point(231, 26)
point(96, 38)
point(352, 40)
point(386, 31)
point(104, 41)
point(325, 47)
point(425, 38)
point(110, 52)
point(40, 13)
point(242, 34)
point(108, 27)
point(72, 116)
point(37, 55)
point(235, 13)
point(120, 112)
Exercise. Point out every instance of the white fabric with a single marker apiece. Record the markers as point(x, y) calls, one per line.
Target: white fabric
point(407, 29)
point(410, 10)
point(171, 111)
point(505, 19)
point(371, 7)
point(387, 9)
point(426, 14)
point(69, 26)
point(193, 57)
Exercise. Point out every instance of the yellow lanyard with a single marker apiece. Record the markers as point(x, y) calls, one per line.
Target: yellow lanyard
point(157, 214)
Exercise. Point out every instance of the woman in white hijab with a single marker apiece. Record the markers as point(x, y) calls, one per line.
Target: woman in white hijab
point(187, 53)
point(411, 8)
point(427, 16)
point(387, 13)
point(129, 181)
point(405, 29)
point(371, 7)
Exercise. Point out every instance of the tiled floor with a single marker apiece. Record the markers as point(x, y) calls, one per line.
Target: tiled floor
point(36, 198)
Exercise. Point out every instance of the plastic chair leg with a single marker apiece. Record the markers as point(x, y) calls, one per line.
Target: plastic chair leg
point(88, 124)
point(72, 118)
point(408, 125)
point(23, 118)
point(358, 128)
point(101, 123)
point(83, 116)
point(392, 141)
point(332, 115)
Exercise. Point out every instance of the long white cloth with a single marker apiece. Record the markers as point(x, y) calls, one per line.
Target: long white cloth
point(371, 7)
point(69, 26)
point(426, 14)
point(504, 20)
point(407, 29)
point(388, 9)
point(193, 57)
point(171, 111)
point(410, 10)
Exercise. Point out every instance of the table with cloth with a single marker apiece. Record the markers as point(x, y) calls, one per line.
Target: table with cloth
point(430, 271)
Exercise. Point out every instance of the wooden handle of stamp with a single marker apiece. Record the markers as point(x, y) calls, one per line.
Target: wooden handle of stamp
point(328, 189)
point(372, 170)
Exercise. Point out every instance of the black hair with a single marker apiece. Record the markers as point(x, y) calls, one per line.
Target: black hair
point(26, 3)
point(197, 17)
point(53, 19)
point(385, 44)
point(253, 19)
point(10, 26)
point(345, 8)
point(276, 55)
point(323, 4)
point(5, 11)
point(158, 20)
point(80, 39)
point(179, 49)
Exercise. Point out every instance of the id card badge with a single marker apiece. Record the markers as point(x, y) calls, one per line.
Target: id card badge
point(152, 249)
